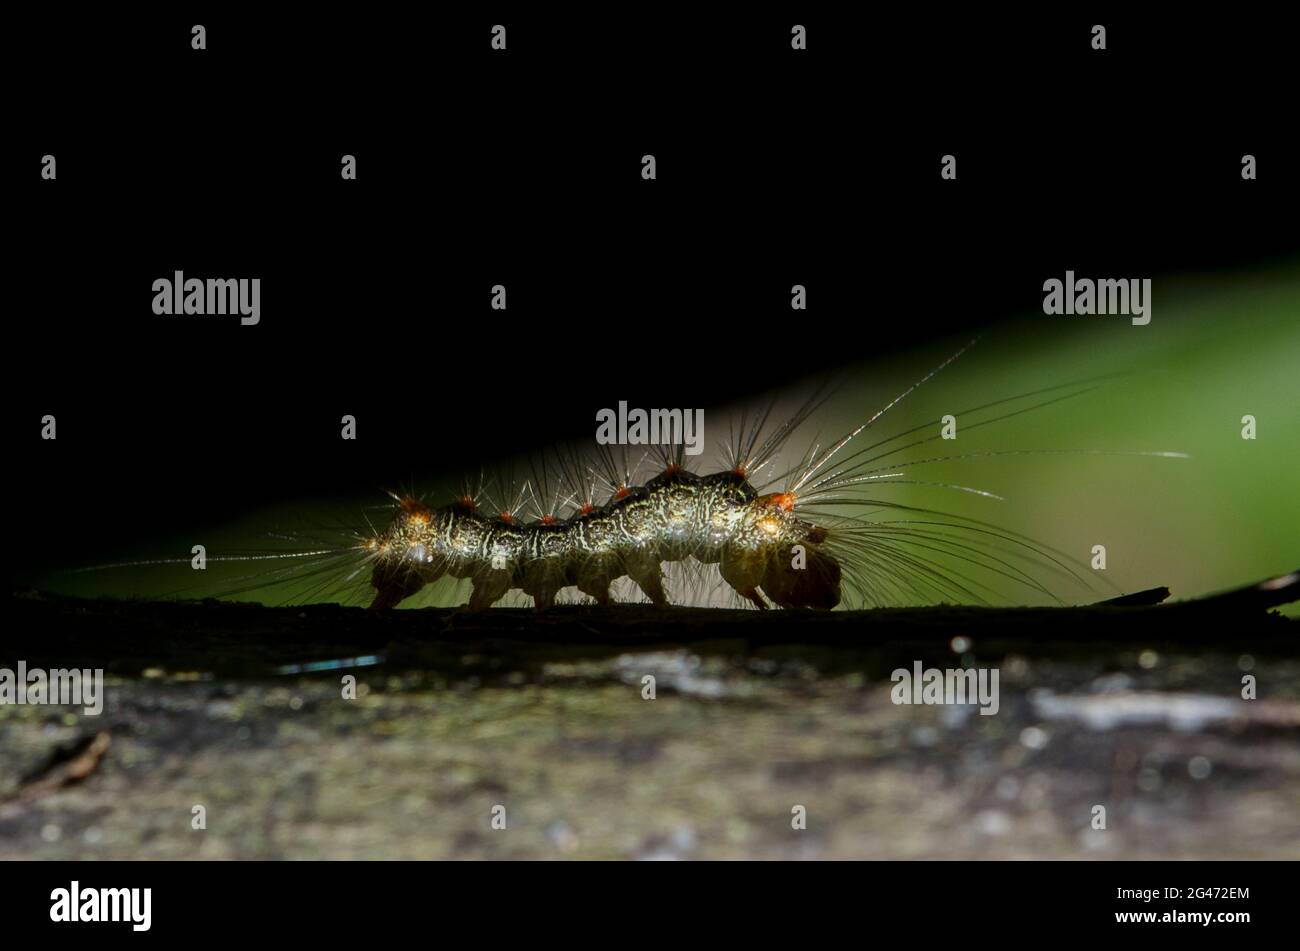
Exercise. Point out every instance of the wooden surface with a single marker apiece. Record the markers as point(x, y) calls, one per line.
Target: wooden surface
point(1136, 707)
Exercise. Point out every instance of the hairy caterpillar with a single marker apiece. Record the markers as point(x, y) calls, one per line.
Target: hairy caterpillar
point(814, 532)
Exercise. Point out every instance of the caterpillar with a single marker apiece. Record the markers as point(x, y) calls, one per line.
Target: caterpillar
point(813, 533)
point(764, 544)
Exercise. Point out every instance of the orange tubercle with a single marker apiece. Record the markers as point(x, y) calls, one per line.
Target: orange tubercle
point(781, 500)
point(414, 507)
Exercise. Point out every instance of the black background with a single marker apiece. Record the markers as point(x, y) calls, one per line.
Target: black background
point(522, 167)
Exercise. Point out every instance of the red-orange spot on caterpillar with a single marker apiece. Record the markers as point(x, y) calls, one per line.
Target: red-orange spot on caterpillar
point(623, 492)
point(468, 503)
point(740, 471)
point(672, 469)
point(549, 520)
point(780, 500)
point(507, 518)
point(587, 508)
point(414, 507)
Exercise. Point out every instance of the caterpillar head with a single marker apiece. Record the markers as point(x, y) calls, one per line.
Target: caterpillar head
point(798, 572)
